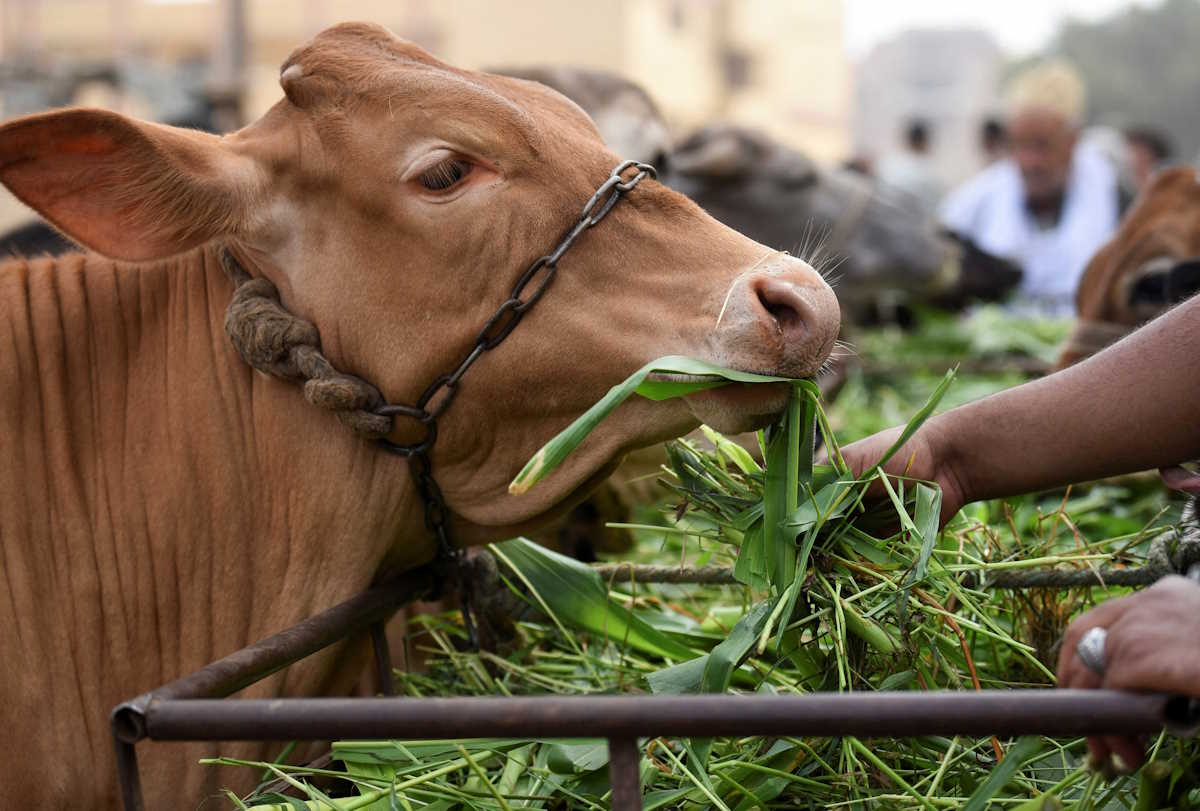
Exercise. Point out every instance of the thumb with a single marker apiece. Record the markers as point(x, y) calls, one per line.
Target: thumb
point(1182, 479)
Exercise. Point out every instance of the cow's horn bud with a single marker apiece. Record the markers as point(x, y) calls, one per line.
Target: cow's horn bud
point(292, 81)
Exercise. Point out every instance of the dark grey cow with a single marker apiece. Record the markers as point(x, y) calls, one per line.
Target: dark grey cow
point(786, 200)
point(873, 239)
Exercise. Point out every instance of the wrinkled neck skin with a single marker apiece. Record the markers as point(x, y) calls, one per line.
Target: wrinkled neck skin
point(161, 506)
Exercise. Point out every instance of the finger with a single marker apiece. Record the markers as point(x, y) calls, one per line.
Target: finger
point(1126, 754)
point(1181, 479)
point(1102, 616)
point(1152, 654)
point(1099, 755)
point(1075, 675)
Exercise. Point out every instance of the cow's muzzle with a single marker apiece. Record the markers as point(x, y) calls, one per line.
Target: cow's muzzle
point(779, 318)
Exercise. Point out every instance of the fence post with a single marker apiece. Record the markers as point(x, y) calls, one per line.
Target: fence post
point(383, 657)
point(625, 774)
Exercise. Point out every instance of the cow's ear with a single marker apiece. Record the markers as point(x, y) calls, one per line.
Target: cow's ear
point(713, 153)
point(128, 189)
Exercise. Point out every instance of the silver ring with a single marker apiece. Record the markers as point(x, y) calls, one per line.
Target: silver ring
point(1090, 650)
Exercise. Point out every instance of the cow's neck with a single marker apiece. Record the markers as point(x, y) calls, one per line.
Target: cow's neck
point(189, 504)
point(161, 505)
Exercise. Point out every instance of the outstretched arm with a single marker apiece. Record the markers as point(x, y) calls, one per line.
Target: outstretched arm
point(1134, 406)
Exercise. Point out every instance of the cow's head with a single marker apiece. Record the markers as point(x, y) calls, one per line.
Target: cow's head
point(781, 198)
point(394, 200)
point(1150, 264)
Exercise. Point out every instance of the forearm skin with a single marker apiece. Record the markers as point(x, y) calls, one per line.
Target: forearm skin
point(1134, 406)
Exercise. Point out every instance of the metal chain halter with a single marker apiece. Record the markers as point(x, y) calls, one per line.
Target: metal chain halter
point(274, 341)
point(537, 278)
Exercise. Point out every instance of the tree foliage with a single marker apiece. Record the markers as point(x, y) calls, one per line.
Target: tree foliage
point(1140, 68)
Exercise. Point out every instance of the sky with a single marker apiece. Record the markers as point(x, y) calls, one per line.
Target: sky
point(1020, 26)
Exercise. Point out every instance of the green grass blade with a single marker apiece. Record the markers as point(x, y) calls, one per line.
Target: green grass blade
point(916, 422)
point(733, 451)
point(751, 565)
point(712, 672)
point(925, 527)
point(1018, 755)
point(557, 449)
point(578, 596)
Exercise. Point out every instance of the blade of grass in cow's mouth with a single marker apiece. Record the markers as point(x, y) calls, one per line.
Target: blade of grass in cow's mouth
point(727, 399)
point(730, 407)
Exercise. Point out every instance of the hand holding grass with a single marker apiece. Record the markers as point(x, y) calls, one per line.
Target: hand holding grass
point(1134, 406)
point(922, 457)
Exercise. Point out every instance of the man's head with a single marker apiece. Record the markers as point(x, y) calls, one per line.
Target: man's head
point(916, 136)
point(993, 139)
point(1148, 149)
point(1045, 112)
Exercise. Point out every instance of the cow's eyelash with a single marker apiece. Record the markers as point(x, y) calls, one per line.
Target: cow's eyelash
point(445, 175)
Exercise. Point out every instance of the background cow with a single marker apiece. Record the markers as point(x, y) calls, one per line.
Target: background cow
point(875, 241)
point(1150, 265)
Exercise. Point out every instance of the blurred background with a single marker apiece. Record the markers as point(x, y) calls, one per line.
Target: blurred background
point(910, 94)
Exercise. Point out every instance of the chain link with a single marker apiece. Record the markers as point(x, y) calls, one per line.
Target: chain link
point(441, 392)
point(510, 312)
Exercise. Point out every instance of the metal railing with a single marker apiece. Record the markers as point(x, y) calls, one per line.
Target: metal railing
point(194, 708)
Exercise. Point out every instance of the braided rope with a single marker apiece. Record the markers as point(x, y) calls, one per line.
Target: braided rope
point(277, 343)
point(1036, 579)
point(635, 573)
point(1170, 553)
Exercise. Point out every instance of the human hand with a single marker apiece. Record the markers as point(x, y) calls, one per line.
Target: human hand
point(924, 456)
point(1152, 644)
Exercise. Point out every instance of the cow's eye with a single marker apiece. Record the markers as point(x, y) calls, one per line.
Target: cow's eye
point(445, 175)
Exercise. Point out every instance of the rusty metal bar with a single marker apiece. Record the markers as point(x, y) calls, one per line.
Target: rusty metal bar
point(127, 774)
point(1040, 578)
point(900, 713)
point(242, 668)
point(255, 662)
point(625, 774)
point(383, 657)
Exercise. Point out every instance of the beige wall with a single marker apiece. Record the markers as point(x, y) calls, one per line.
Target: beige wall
point(797, 79)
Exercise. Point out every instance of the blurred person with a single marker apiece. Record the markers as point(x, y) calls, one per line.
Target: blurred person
point(1058, 430)
point(860, 164)
point(993, 140)
point(911, 169)
point(1147, 150)
point(1049, 205)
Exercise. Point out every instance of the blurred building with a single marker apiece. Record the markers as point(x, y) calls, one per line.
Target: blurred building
point(774, 64)
point(948, 78)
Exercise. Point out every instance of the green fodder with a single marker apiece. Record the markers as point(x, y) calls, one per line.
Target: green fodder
point(836, 592)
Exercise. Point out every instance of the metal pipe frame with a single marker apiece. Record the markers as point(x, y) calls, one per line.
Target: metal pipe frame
point(626, 717)
point(238, 670)
point(192, 708)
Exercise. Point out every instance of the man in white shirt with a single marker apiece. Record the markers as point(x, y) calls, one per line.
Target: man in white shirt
point(911, 170)
point(1052, 203)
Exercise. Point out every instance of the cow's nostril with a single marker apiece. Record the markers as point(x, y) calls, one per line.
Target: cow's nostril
point(784, 303)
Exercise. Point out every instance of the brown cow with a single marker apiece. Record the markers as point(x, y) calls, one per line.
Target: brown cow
point(1151, 263)
point(162, 505)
